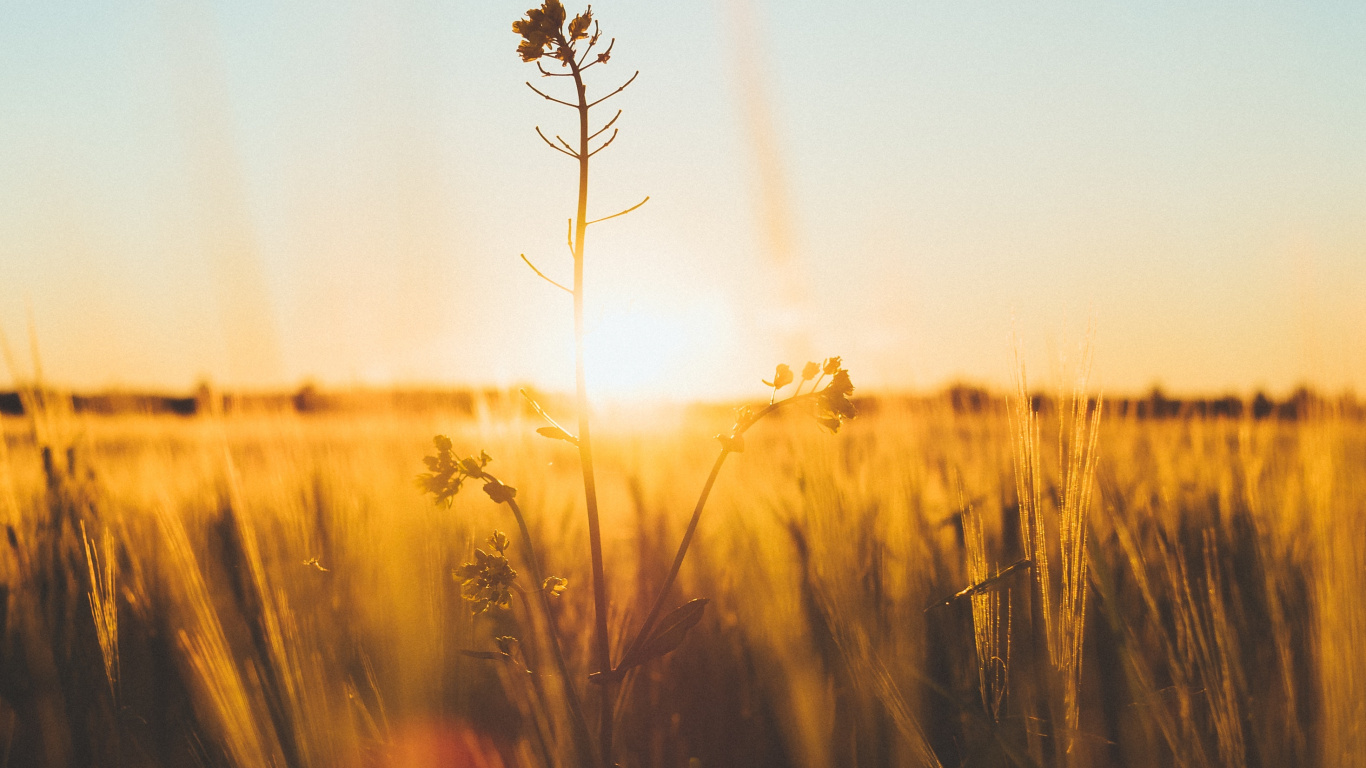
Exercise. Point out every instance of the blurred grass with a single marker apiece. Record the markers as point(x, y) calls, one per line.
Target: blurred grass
point(282, 593)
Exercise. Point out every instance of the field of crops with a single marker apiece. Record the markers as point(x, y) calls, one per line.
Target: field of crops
point(273, 590)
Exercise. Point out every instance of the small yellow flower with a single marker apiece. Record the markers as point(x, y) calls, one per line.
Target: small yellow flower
point(781, 377)
point(555, 585)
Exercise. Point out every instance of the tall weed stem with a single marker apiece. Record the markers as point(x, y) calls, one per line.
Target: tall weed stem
point(732, 443)
point(582, 741)
point(602, 643)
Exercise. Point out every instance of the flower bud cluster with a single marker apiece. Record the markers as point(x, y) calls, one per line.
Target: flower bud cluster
point(543, 32)
point(832, 406)
point(487, 582)
point(448, 473)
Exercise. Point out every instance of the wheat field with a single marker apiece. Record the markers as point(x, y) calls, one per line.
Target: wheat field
point(271, 589)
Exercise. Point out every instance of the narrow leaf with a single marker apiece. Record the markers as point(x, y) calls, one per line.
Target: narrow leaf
point(556, 433)
point(991, 582)
point(670, 631)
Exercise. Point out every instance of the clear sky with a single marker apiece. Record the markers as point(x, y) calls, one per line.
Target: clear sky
point(266, 192)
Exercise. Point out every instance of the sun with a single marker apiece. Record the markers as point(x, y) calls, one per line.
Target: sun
point(641, 353)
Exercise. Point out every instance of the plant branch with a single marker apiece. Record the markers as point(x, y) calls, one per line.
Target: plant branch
point(541, 67)
point(602, 642)
point(548, 97)
point(653, 615)
point(592, 41)
point(608, 96)
point(622, 213)
point(604, 56)
point(605, 127)
point(543, 277)
point(604, 145)
point(642, 634)
point(541, 412)
point(551, 144)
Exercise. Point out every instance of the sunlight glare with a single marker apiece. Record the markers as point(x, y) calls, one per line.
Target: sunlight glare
point(640, 353)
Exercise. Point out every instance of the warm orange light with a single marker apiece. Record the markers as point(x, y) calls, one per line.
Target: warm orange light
point(641, 352)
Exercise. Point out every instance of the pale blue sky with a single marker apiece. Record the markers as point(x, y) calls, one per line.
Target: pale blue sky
point(263, 192)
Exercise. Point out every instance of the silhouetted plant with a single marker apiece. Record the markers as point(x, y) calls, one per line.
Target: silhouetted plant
point(547, 33)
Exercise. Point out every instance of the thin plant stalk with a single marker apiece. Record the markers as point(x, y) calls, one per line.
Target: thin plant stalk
point(582, 741)
point(663, 595)
point(544, 35)
point(726, 450)
point(532, 668)
point(602, 643)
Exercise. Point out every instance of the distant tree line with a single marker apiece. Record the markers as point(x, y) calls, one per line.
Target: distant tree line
point(1156, 404)
point(306, 399)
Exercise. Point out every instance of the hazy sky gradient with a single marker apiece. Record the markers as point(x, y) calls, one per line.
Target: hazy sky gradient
point(263, 192)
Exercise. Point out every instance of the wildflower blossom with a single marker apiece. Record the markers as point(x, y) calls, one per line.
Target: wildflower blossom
point(487, 582)
point(555, 585)
point(448, 473)
point(833, 401)
point(543, 32)
point(781, 377)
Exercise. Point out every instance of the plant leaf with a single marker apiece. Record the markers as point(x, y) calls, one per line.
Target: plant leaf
point(670, 631)
point(556, 433)
point(991, 582)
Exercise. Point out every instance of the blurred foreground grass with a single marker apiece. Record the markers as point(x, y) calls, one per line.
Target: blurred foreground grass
point(273, 590)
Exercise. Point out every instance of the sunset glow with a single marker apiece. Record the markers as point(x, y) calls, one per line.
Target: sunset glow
point(648, 353)
point(753, 383)
point(263, 194)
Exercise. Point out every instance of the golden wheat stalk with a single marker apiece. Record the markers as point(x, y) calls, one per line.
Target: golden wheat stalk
point(993, 656)
point(104, 608)
point(1063, 606)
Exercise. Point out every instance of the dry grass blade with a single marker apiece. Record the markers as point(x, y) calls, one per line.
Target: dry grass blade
point(1063, 604)
point(990, 637)
point(224, 700)
point(104, 608)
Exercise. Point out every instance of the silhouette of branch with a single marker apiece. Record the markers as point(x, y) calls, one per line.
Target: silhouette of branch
point(542, 274)
point(569, 436)
point(608, 96)
point(605, 127)
point(622, 213)
point(548, 97)
point(605, 143)
point(550, 144)
point(604, 56)
point(551, 74)
point(592, 41)
point(566, 145)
